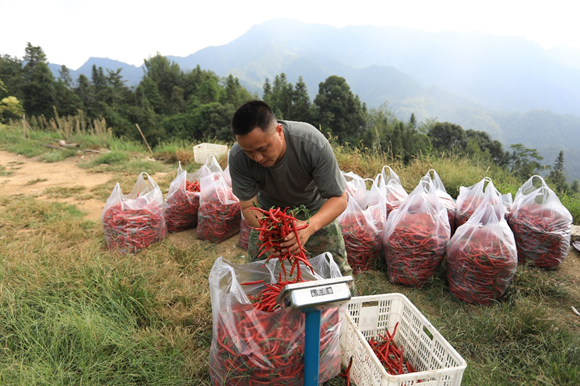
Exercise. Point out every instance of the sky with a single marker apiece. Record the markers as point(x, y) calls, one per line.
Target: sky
point(130, 31)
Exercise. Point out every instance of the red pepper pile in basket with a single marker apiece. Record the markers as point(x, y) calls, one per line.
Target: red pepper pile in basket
point(542, 236)
point(390, 355)
point(480, 267)
point(252, 359)
point(131, 230)
point(415, 248)
point(181, 208)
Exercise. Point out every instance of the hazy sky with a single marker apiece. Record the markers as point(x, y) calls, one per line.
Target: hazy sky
point(128, 30)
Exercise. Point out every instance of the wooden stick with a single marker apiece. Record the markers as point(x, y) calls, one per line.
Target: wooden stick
point(151, 151)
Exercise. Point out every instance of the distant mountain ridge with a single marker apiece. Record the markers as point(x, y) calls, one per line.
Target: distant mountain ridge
point(509, 87)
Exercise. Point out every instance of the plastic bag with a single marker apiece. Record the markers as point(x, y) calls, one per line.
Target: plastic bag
point(245, 229)
point(482, 256)
point(354, 183)
point(542, 226)
point(219, 214)
point(391, 188)
point(361, 238)
point(472, 197)
point(445, 198)
point(416, 236)
point(251, 347)
point(134, 221)
point(182, 201)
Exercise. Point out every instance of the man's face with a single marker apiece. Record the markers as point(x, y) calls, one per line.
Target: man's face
point(265, 147)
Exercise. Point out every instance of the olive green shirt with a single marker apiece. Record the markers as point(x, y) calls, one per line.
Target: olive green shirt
point(308, 174)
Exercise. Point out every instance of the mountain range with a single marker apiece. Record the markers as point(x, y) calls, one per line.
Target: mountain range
point(509, 87)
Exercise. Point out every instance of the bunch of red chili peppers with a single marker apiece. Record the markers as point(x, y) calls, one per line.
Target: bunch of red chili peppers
point(362, 241)
point(218, 217)
point(542, 236)
point(181, 207)
point(245, 229)
point(265, 300)
point(131, 230)
point(390, 355)
point(275, 226)
point(466, 210)
point(415, 248)
point(480, 266)
point(267, 347)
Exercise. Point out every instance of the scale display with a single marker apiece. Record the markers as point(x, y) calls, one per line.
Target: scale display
point(320, 294)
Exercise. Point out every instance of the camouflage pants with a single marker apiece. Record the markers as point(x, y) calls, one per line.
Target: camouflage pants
point(327, 239)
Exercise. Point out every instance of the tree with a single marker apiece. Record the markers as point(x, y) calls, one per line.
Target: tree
point(9, 104)
point(556, 176)
point(575, 187)
point(301, 109)
point(39, 91)
point(338, 110)
point(447, 136)
point(524, 162)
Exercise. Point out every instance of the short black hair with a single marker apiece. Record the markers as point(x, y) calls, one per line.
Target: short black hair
point(250, 115)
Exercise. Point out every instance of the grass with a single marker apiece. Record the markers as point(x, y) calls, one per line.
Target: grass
point(72, 312)
point(63, 192)
point(36, 181)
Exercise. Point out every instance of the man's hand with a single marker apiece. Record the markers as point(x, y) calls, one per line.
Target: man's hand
point(291, 243)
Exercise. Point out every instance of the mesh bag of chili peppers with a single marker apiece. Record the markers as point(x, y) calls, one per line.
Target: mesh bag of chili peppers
point(219, 214)
point(416, 236)
point(390, 186)
point(361, 238)
point(134, 221)
point(245, 229)
point(182, 201)
point(542, 226)
point(470, 198)
point(255, 343)
point(445, 198)
point(482, 257)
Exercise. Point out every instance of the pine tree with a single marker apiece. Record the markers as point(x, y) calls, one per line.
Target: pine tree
point(556, 176)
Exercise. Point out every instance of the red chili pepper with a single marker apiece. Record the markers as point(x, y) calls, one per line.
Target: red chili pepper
point(218, 219)
point(257, 348)
point(542, 236)
point(275, 226)
point(479, 267)
point(181, 207)
point(414, 249)
point(362, 242)
point(131, 230)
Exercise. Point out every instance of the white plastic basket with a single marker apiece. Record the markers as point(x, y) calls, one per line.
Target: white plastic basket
point(435, 360)
point(202, 151)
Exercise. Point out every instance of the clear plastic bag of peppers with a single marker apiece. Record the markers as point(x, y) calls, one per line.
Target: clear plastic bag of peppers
point(182, 201)
point(482, 257)
point(470, 198)
point(391, 188)
point(542, 226)
point(219, 214)
point(361, 238)
point(445, 198)
point(134, 221)
point(255, 347)
point(416, 236)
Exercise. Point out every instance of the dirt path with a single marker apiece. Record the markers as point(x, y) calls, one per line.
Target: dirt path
point(26, 176)
point(21, 175)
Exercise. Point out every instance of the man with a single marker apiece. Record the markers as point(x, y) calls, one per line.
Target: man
point(288, 164)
